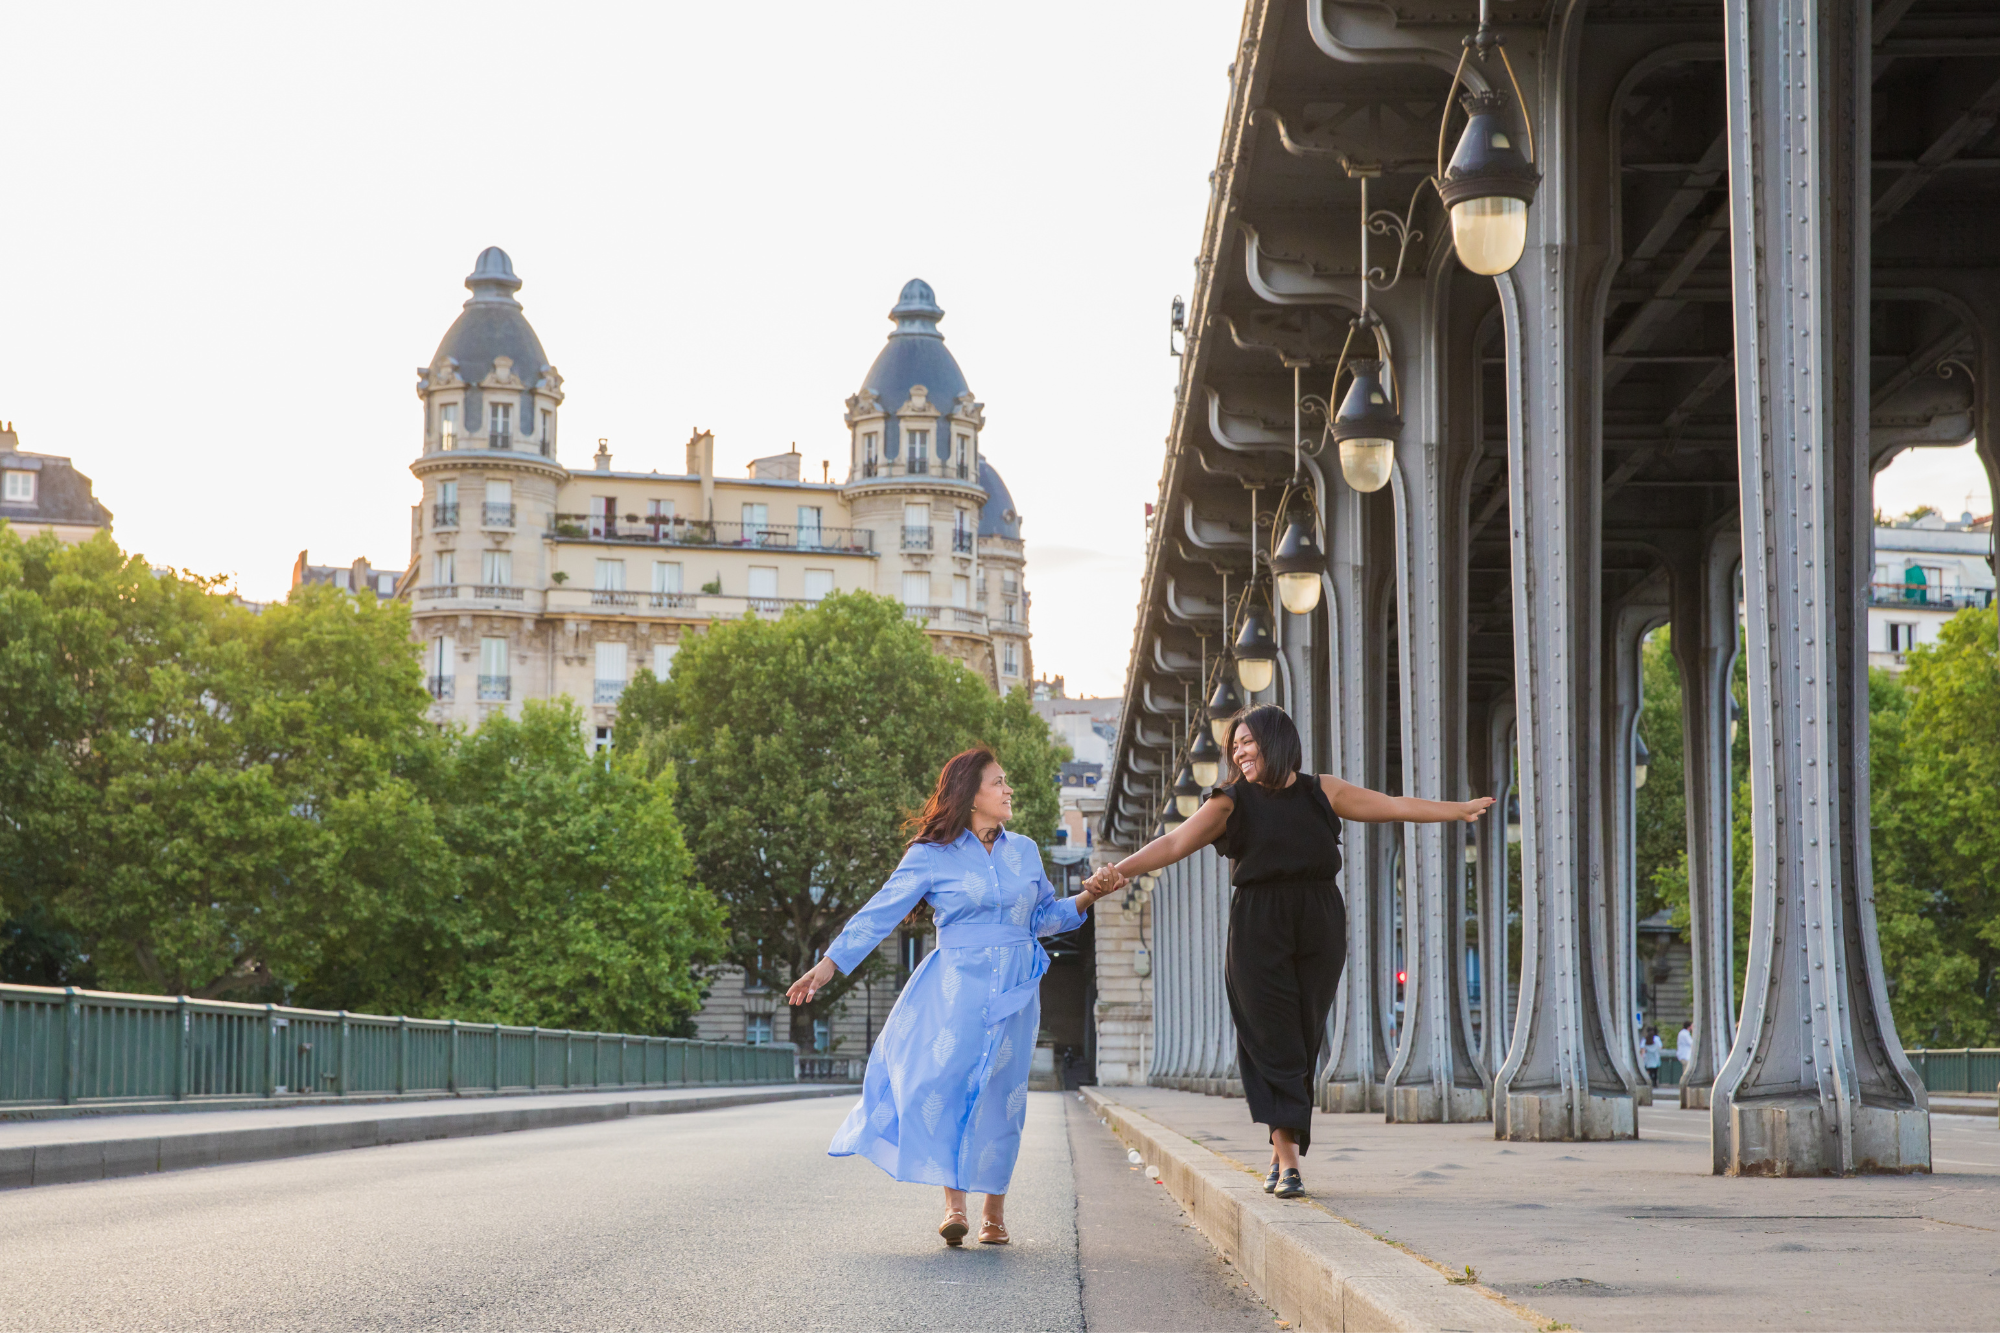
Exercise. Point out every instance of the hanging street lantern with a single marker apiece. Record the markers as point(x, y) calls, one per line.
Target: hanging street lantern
point(1488, 187)
point(1366, 428)
point(1256, 652)
point(1205, 759)
point(1187, 793)
point(1642, 759)
point(1223, 706)
point(1297, 564)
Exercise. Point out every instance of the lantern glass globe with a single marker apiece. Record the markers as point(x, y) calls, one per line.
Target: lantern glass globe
point(1207, 772)
point(1298, 592)
point(1489, 234)
point(1254, 673)
point(1219, 728)
point(1187, 805)
point(1366, 463)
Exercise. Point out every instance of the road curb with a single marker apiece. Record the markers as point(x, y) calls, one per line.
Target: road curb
point(1313, 1268)
point(105, 1159)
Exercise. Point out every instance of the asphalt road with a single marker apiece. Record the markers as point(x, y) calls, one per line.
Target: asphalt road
point(732, 1219)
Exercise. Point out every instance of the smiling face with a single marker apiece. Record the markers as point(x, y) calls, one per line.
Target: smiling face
point(993, 803)
point(1244, 754)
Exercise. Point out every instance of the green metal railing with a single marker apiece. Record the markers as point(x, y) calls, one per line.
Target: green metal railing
point(1967, 1069)
point(61, 1047)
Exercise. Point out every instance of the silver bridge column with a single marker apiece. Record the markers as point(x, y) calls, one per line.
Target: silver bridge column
point(1816, 1082)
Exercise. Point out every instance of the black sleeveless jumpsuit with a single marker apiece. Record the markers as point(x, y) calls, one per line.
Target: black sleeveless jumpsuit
point(1287, 943)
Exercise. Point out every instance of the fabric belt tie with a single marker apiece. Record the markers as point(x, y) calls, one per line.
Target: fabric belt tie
point(1015, 998)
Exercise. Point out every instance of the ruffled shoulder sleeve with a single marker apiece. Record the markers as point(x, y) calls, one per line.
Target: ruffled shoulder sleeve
point(1229, 842)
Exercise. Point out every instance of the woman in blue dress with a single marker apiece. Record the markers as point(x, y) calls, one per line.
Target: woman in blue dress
point(946, 1092)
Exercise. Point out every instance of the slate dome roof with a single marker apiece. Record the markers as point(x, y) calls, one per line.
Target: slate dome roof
point(915, 354)
point(492, 325)
point(997, 517)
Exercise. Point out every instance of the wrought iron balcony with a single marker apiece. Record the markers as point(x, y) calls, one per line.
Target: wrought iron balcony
point(680, 531)
point(918, 467)
point(500, 439)
point(916, 539)
point(441, 688)
point(494, 688)
point(1919, 595)
point(499, 516)
point(497, 593)
point(961, 541)
point(444, 515)
point(437, 590)
point(608, 691)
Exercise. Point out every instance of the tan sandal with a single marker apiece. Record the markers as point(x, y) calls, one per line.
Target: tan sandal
point(992, 1233)
point(953, 1229)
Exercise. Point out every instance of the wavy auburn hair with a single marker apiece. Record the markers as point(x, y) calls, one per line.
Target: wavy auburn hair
point(948, 812)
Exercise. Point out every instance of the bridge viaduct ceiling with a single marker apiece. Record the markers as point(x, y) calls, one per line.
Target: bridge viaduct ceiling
point(1734, 202)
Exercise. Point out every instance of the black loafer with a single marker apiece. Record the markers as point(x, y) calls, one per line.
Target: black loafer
point(1290, 1186)
point(1271, 1180)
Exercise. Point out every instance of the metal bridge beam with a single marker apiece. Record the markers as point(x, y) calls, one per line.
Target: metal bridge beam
point(1816, 1082)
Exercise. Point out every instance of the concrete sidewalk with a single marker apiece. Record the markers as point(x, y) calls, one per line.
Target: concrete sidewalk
point(1639, 1235)
point(50, 1152)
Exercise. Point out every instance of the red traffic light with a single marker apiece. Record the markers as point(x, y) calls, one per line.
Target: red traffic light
point(1402, 977)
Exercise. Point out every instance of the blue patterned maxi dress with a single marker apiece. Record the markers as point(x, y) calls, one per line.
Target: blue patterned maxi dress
point(946, 1091)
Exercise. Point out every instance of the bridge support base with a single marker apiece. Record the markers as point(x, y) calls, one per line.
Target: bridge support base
point(1424, 1105)
point(1789, 1136)
point(1545, 1117)
point(1351, 1098)
point(1695, 1098)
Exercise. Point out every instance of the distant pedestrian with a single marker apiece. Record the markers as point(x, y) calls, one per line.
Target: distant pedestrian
point(1684, 1045)
point(946, 1092)
point(1280, 830)
point(1649, 1056)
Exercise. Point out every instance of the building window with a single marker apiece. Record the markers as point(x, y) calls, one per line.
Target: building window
point(913, 952)
point(961, 533)
point(499, 508)
point(444, 568)
point(611, 576)
point(757, 1029)
point(1010, 660)
point(604, 516)
point(1902, 636)
point(500, 426)
point(808, 526)
point(920, 444)
point(610, 673)
point(659, 514)
point(448, 428)
point(384, 584)
point(548, 432)
point(493, 683)
point(663, 659)
point(1008, 610)
point(602, 741)
point(961, 590)
point(496, 569)
point(916, 588)
point(20, 487)
point(755, 519)
point(441, 667)
point(868, 444)
point(445, 513)
point(964, 456)
point(763, 580)
point(819, 582)
point(822, 1036)
point(916, 527)
point(666, 576)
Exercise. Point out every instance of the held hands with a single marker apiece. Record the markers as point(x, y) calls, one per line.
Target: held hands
point(1105, 882)
point(1474, 808)
point(807, 986)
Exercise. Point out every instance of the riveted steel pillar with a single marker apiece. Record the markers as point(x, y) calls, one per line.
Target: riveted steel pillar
point(1357, 1054)
point(1816, 1082)
point(1705, 642)
point(1616, 936)
point(1496, 1014)
point(1560, 1080)
point(1432, 1076)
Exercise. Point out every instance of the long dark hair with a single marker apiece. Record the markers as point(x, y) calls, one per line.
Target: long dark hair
point(948, 812)
point(1277, 740)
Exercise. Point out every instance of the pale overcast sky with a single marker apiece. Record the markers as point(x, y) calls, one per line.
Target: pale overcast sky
point(235, 231)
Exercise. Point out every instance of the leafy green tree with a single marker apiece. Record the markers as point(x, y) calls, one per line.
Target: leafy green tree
point(1935, 780)
point(802, 744)
point(1661, 845)
point(578, 905)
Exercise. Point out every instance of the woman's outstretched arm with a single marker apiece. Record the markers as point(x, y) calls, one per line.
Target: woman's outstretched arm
point(1373, 807)
point(1202, 828)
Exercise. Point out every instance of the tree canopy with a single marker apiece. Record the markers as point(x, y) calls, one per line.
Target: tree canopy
point(196, 799)
point(802, 743)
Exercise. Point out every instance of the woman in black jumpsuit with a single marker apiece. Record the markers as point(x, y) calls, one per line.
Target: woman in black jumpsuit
point(1280, 829)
